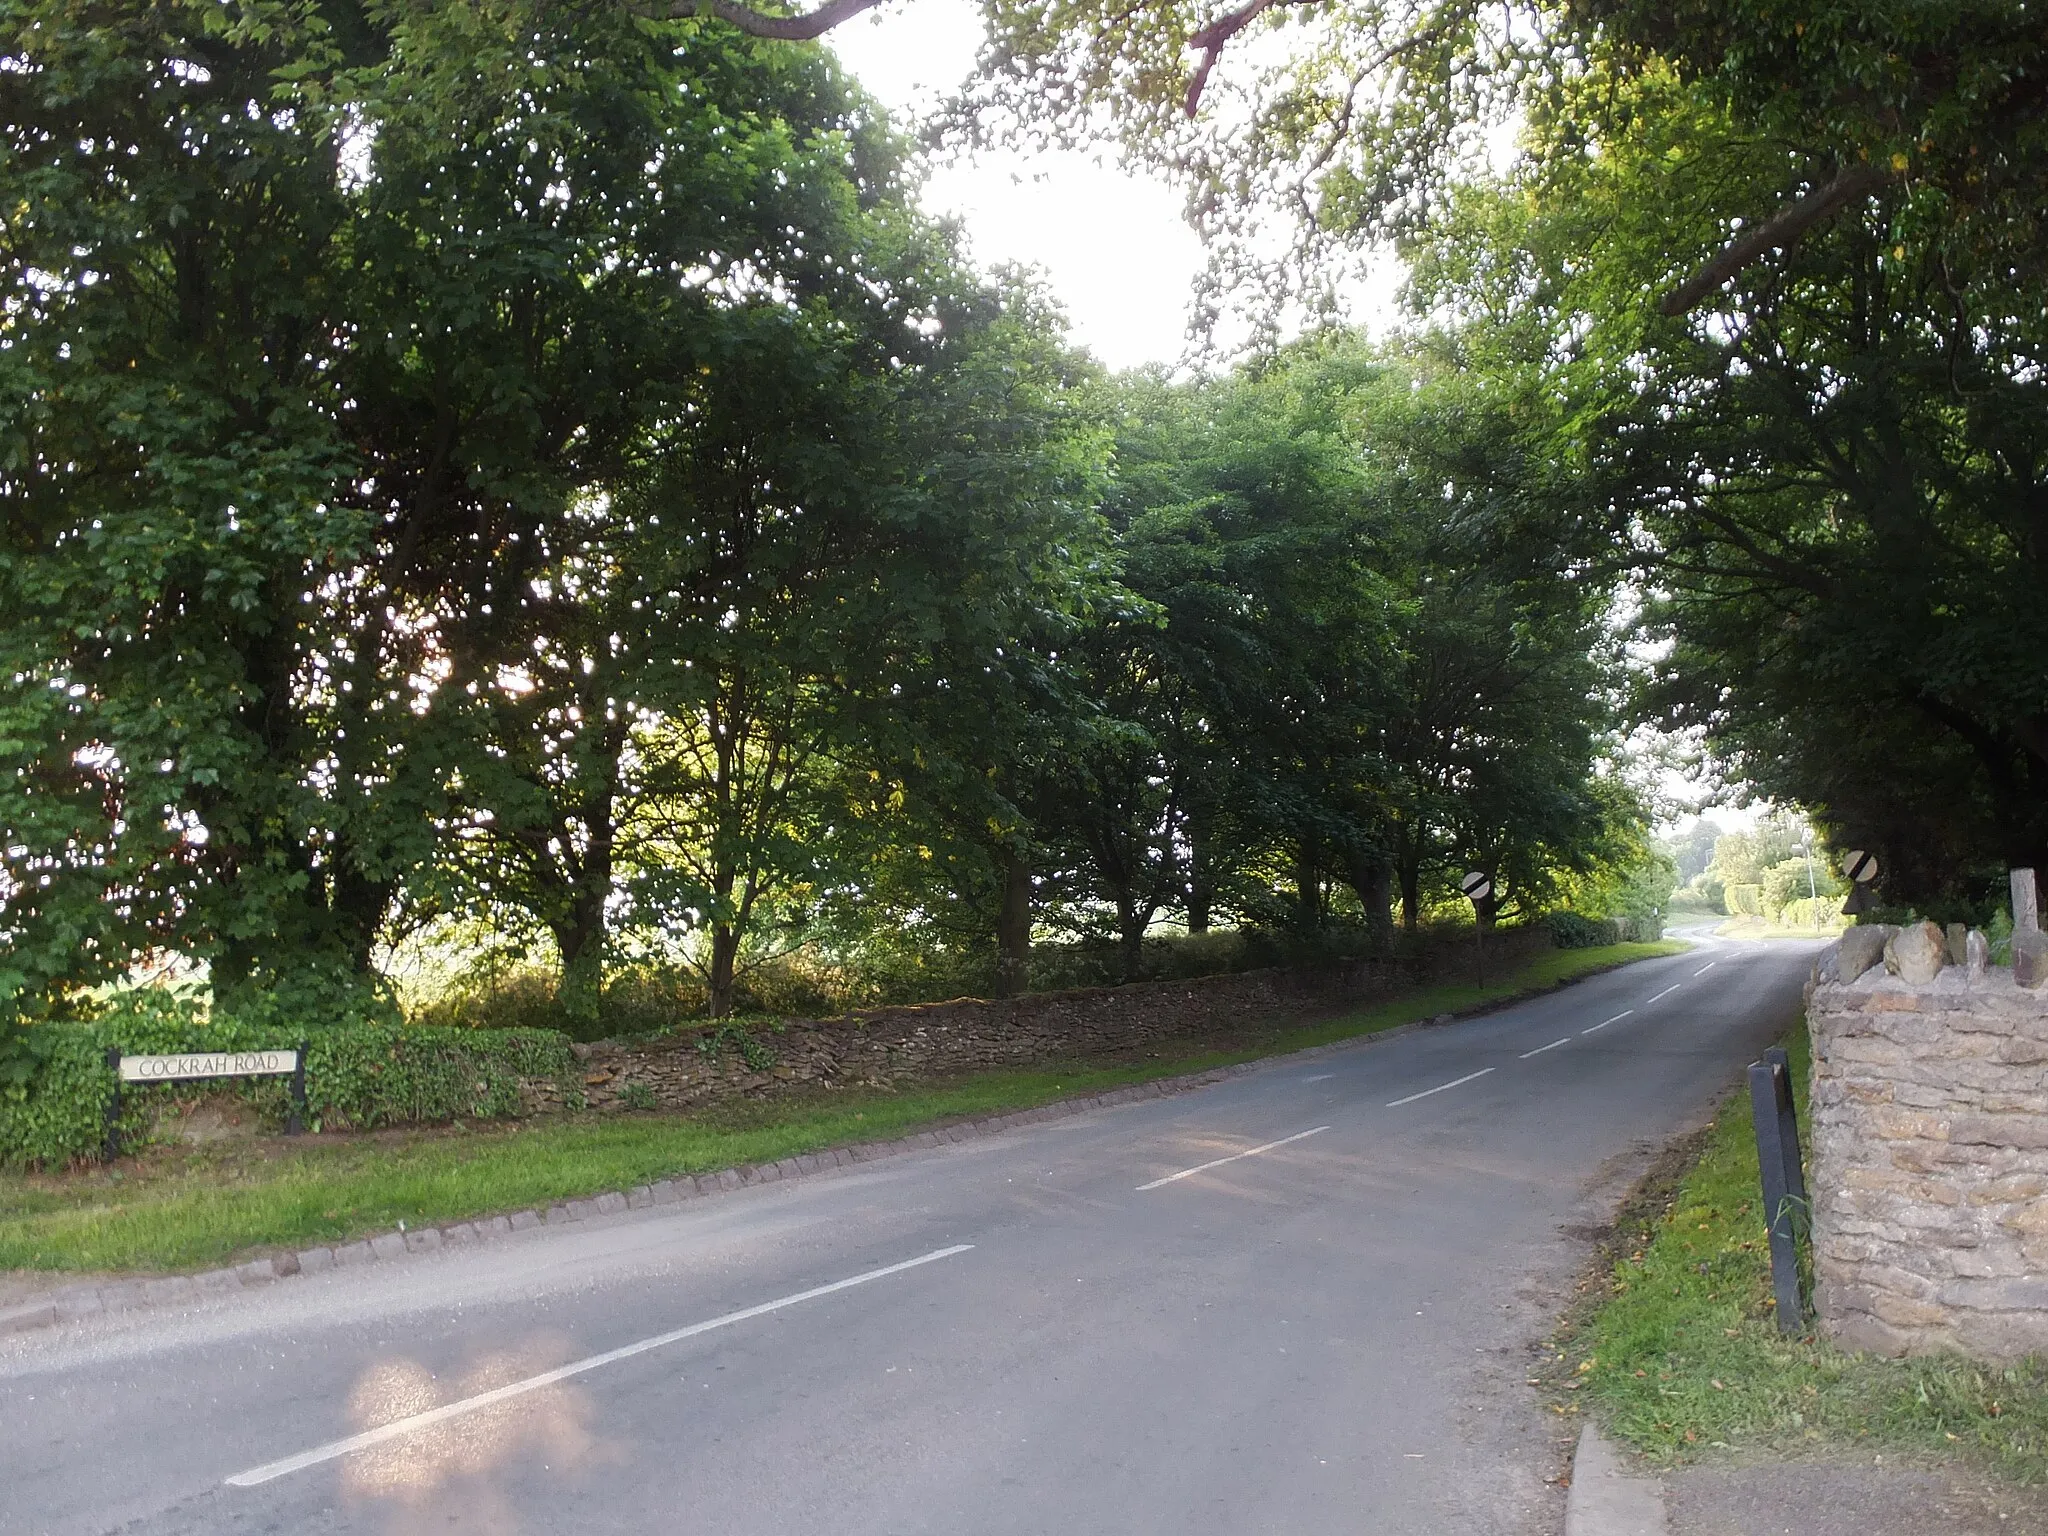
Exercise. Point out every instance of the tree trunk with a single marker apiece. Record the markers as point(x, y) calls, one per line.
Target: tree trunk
point(1373, 881)
point(1308, 888)
point(1131, 924)
point(1200, 895)
point(581, 939)
point(1411, 894)
point(725, 952)
point(1013, 925)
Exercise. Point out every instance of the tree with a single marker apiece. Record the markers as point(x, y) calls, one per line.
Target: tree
point(1827, 486)
point(327, 336)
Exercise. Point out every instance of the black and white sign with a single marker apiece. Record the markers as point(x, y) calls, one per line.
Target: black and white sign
point(193, 1066)
point(1477, 885)
point(1859, 866)
point(165, 1069)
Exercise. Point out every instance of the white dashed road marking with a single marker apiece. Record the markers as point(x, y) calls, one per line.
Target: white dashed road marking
point(1440, 1087)
point(1187, 1173)
point(406, 1426)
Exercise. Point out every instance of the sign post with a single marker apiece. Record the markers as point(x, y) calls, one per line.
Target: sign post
point(1478, 888)
point(198, 1066)
point(1784, 1180)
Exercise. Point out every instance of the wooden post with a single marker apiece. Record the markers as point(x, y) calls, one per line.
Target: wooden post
point(114, 1104)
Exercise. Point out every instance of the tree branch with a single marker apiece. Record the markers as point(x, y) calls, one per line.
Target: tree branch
point(1784, 229)
point(1210, 41)
point(789, 29)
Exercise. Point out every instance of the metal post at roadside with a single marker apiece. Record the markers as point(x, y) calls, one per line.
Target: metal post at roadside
point(1784, 1181)
point(296, 1121)
point(1788, 1117)
point(114, 1104)
point(1478, 888)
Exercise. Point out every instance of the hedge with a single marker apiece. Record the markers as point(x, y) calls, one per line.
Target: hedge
point(1744, 900)
point(1568, 930)
point(358, 1075)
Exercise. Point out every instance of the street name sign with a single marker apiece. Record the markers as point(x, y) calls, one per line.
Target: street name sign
point(196, 1066)
point(164, 1069)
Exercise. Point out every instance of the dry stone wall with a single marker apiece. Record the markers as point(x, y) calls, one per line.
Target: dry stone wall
point(888, 1046)
point(1930, 1147)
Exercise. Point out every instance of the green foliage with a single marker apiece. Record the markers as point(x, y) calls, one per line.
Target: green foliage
point(1811, 912)
point(1744, 900)
point(636, 1095)
point(359, 1075)
point(732, 1035)
point(1568, 930)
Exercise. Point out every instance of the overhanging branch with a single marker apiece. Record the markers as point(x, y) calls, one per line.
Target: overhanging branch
point(1784, 229)
point(788, 29)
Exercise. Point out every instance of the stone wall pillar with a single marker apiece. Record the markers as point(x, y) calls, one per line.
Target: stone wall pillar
point(1930, 1154)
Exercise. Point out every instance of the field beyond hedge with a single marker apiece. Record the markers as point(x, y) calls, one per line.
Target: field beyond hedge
point(188, 1207)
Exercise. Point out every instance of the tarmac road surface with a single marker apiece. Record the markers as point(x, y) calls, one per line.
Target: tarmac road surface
point(1300, 1301)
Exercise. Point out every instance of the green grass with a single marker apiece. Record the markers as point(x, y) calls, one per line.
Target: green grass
point(1757, 928)
point(186, 1208)
point(1681, 1355)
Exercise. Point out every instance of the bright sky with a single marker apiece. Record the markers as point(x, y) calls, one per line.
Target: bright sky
point(1112, 245)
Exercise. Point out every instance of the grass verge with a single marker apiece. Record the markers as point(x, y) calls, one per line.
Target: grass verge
point(1677, 1350)
point(190, 1207)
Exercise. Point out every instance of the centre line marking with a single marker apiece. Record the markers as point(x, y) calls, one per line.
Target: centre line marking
point(406, 1426)
point(1665, 993)
point(1188, 1173)
point(1320, 1077)
point(1605, 1022)
point(1542, 1048)
point(1704, 969)
point(1440, 1087)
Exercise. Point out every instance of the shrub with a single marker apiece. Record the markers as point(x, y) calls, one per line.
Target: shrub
point(1744, 900)
point(358, 1075)
point(1811, 912)
point(1568, 930)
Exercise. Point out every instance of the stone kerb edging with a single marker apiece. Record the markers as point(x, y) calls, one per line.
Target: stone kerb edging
point(83, 1301)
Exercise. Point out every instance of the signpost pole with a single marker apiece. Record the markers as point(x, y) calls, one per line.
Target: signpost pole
point(297, 1123)
point(114, 1104)
point(1478, 888)
point(1784, 1182)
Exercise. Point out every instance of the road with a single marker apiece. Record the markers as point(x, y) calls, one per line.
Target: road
point(1044, 1331)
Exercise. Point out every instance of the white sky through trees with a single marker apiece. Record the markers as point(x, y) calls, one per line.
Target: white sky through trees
point(1112, 244)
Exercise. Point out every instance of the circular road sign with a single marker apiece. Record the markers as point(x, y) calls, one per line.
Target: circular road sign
point(1859, 866)
point(1477, 885)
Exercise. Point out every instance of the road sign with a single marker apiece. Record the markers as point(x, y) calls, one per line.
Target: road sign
point(165, 1069)
point(1859, 866)
point(193, 1066)
point(1477, 885)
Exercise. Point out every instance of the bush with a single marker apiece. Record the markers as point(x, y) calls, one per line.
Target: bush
point(358, 1075)
point(1744, 900)
point(1811, 912)
point(1568, 930)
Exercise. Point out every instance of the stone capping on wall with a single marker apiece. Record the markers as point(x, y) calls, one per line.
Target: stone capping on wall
point(1929, 1112)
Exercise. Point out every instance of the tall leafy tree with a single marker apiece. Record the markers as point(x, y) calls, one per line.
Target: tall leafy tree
point(323, 325)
